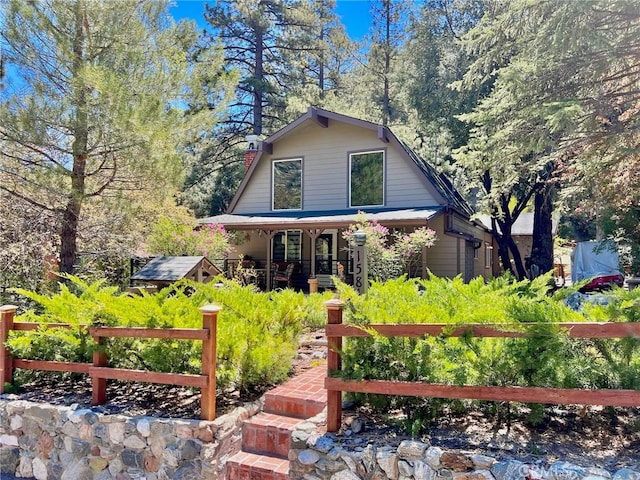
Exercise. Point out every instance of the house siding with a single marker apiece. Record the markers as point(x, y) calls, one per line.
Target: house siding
point(447, 256)
point(443, 256)
point(325, 170)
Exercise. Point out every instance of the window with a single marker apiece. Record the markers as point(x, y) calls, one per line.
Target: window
point(287, 246)
point(488, 255)
point(287, 184)
point(366, 179)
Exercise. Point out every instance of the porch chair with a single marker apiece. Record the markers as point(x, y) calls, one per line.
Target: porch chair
point(284, 276)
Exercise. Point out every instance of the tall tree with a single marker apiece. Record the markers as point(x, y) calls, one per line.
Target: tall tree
point(92, 114)
point(439, 59)
point(390, 21)
point(508, 152)
point(287, 55)
point(566, 89)
point(317, 72)
point(261, 39)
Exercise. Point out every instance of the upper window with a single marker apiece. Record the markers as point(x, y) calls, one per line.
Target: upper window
point(287, 184)
point(366, 179)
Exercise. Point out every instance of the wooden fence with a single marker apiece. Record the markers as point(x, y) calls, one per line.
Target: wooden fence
point(335, 331)
point(100, 372)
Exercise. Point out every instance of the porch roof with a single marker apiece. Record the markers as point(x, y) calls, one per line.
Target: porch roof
point(417, 216)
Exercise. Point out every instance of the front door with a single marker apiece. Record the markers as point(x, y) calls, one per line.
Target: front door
point(326, 254)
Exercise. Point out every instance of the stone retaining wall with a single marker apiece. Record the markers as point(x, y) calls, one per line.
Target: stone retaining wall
point(332, 457)
point(64, 443)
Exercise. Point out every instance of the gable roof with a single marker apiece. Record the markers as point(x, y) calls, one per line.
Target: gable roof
point(170, 269)
point(438, 183)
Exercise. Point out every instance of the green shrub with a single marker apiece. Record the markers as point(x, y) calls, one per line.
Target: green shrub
point(257, 334)
point(547, 357)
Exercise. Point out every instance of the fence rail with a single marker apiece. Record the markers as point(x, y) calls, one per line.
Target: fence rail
point(335, 331)
point(100, 372)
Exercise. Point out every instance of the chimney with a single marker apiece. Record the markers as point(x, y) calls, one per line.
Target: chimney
point(251, 152)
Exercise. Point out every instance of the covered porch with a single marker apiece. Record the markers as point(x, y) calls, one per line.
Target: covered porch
point(304, 250)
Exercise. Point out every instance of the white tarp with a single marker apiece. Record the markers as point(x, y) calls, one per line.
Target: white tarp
point(594, 259)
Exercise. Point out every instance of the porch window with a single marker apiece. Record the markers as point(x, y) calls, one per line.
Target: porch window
point(287, 246)
point(366, 179)
point(287, 184)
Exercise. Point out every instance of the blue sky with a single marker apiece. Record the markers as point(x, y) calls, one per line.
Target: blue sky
point(353, 13)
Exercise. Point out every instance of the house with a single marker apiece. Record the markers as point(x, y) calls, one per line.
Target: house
point(163, 271)
point(305, 184)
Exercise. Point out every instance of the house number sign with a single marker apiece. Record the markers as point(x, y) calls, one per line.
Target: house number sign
point(360, 269)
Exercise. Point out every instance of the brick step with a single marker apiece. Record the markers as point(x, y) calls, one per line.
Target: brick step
point(251, 466)
point(302, 397)
point(268, 433)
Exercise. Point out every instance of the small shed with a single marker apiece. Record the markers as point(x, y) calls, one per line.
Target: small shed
point(163, 271)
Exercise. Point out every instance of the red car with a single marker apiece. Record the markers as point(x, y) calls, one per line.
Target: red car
point(598, 263)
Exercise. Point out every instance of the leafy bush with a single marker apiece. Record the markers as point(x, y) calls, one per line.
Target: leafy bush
point(257, 332)
point(179, 237)
point(390, 255)
point(545, 358)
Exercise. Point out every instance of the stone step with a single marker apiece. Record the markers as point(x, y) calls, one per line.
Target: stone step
point(268, 433)
point(251, 466)
point(302, 397)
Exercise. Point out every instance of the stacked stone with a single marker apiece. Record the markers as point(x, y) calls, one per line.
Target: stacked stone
point(52, 442)
point(330, 457)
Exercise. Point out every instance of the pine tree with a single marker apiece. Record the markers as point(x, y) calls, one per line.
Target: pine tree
point(287, 55)
point(91, 117)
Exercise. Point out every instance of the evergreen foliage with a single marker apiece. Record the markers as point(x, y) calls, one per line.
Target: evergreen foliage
point(257, 332)
point(546, 358)
point(91, 118)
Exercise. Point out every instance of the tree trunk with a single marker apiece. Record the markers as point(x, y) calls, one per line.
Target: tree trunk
point(521, 272)
point(258, 88)
point(508, 249)
point(542, 247)
point(321, 59)
point(71, 214)
point(503, 250)
point(386, 101)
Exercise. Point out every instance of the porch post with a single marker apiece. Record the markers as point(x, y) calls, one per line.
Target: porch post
point(423, 269)
point(313, 234)
point(270, 234)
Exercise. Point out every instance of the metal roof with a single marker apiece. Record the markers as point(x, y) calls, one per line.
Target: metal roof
point(440, 181)
point(325, 218)
point(523, 224)
point(167, 269)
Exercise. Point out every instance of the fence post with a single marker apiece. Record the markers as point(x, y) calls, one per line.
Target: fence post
point(6, 360)
point(208, 397)
point(98, 385)
point(334, 345)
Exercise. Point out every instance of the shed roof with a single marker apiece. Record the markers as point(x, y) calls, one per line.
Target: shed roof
point(168, 269)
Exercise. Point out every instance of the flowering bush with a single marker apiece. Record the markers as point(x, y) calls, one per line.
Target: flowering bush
point(173, 237)
point(390, 255)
